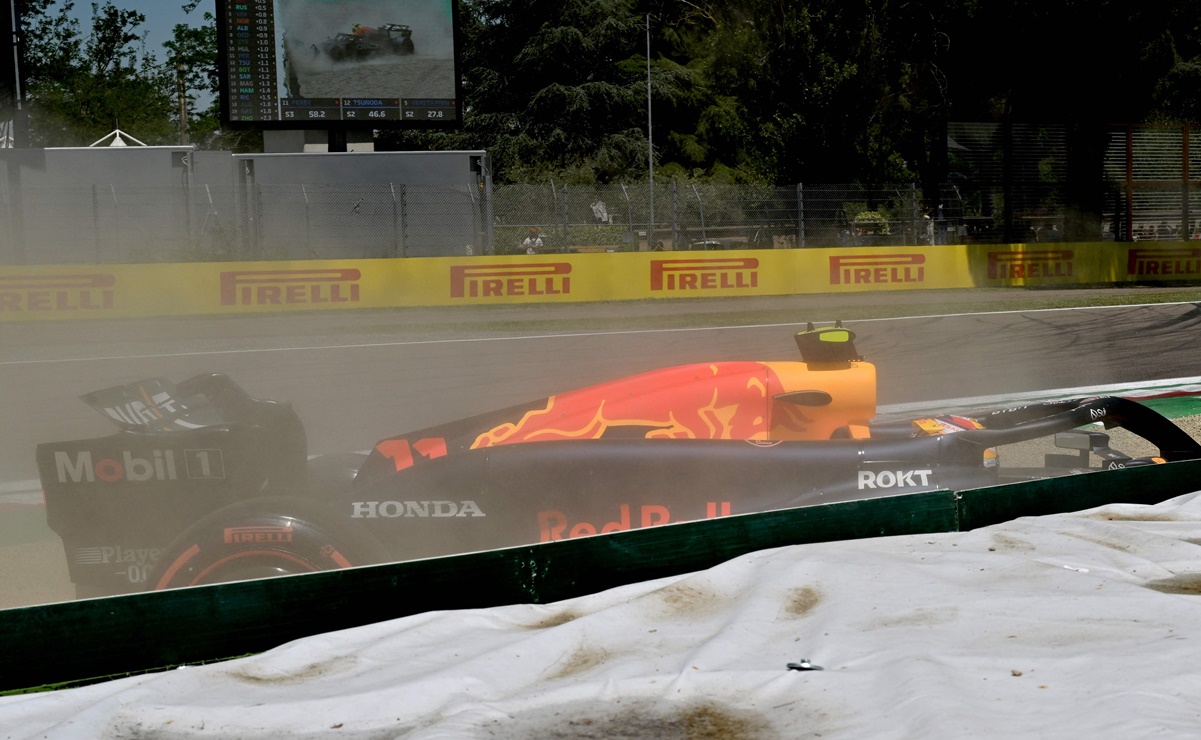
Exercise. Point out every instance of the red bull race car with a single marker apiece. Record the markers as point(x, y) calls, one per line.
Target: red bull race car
point(366, 42)
point(206, 484)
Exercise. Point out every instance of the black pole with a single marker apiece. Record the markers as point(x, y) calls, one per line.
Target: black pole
point(337, 140)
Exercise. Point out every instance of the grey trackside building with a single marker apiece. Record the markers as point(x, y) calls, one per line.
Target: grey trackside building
point(178, 204)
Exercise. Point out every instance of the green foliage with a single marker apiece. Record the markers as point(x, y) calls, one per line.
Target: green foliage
point(757, 91)
point(82, 87)
point(871, 222)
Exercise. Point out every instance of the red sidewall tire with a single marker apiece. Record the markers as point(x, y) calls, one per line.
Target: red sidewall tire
point(261, 538)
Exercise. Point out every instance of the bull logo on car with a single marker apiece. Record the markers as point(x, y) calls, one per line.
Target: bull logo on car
point(726, 400)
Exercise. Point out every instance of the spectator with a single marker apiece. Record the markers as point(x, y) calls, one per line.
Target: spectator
point(532, 243)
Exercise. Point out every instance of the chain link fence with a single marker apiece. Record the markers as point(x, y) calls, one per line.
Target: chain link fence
point(113, 223)
point(711, 216)
point(1007, 183)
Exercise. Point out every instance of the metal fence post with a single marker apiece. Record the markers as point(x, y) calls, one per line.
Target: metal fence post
point(913, 215)
point(308, 223)
point(16, 211)
point(112, 190)
point(629, 215)
point(96, 221)
point(256, 219)
point(395, 221)
point(489, 245)
point(185, 238)
point(800, 215)
point(675, 216)
point(701, 207)
point(566, 235)
point(404, 220)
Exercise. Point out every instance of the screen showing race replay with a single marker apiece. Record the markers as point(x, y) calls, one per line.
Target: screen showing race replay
point(338, 63)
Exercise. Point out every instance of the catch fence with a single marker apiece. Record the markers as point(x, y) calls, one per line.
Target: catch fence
point(1145, 196)
point(182, 223)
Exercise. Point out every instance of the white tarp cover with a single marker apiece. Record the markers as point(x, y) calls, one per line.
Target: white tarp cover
point(1082, 625)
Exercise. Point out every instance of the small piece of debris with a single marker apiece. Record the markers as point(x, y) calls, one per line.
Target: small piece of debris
point(803, 665)
point(1016, 672)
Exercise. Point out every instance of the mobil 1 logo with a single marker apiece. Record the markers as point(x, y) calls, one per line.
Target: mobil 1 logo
point(204, 463)
point(143, 466)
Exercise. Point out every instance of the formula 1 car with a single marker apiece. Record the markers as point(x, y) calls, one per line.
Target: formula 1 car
point(367, 42)
point(206, 484)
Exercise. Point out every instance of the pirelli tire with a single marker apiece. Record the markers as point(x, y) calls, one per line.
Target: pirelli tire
point(263, 538)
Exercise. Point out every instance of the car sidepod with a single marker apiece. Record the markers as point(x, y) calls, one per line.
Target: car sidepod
point(543, 492)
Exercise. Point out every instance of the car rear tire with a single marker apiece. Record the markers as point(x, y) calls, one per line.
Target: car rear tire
point(263, 538)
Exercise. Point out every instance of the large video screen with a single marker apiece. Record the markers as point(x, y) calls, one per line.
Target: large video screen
point(338, 63)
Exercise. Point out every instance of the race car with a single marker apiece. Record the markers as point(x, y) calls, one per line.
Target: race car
point(365, 42)
point(205, 484)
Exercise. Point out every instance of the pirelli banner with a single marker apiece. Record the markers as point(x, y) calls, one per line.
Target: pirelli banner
point(100, 291)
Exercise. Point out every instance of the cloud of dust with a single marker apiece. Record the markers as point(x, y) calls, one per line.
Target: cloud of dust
point(314, 21)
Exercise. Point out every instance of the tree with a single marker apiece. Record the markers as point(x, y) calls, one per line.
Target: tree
point(819, 90)
point(82, 87)
point(553, 87)
point(1126, 65)
point(192, 55)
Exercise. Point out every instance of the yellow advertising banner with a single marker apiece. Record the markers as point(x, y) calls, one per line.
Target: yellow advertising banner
point(117, 291)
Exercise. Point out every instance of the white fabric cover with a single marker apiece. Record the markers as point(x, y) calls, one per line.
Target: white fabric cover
point(1069, 626)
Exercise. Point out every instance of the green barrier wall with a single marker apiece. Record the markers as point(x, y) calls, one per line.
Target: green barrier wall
point(75, 642)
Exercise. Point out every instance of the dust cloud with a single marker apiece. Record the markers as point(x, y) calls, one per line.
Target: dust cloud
point(307, 27)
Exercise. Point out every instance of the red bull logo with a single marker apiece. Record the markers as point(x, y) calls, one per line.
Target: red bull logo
point(1047, 263)
point(555, 525)
point(704, 274)
point(877, 269)
point(1171, 262)
point(34, 293)
point(503, 281)
point(728, 400)
point(284, 287)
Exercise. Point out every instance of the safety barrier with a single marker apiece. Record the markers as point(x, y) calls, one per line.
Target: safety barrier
point(76, 642)
point(115, 291)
